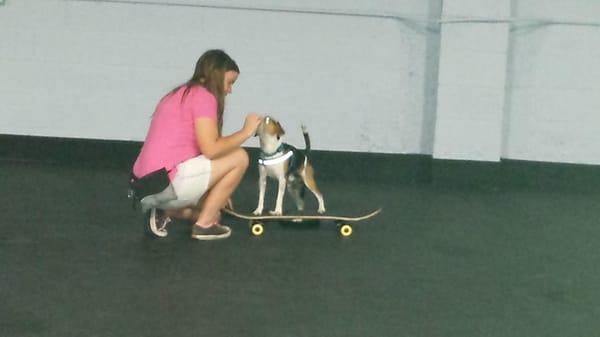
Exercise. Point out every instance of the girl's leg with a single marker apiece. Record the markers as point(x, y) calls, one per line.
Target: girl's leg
point(188, 213)
point(226, 174)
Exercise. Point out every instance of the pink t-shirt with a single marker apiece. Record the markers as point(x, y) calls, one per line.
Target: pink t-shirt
point(171, 138)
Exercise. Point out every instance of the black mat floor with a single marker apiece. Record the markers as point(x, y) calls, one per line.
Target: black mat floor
point(439, 261)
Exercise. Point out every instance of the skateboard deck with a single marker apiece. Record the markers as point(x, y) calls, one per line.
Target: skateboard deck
point(344, 226)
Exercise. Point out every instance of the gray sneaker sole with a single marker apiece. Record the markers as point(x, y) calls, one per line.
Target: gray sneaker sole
point(153, 226)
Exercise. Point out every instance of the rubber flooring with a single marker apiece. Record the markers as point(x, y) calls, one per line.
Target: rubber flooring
point(438, 261)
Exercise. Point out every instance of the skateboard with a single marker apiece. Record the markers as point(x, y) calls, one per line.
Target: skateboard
point(343, 222)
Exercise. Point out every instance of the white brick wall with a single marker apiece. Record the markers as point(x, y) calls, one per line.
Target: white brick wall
point(96, 70)
point(553, 106)
point(472, 75)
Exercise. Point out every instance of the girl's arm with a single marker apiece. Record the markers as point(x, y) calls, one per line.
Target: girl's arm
point(213, 146)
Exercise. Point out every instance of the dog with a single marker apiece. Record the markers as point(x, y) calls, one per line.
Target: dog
point(288, 165)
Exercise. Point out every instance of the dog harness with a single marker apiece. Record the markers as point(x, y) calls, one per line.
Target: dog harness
point(283, 152)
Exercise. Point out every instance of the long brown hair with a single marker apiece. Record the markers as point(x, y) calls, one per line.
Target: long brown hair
point(210, 73)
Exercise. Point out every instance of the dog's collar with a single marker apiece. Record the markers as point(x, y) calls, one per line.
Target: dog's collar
point(275, 153)
point(279, 156)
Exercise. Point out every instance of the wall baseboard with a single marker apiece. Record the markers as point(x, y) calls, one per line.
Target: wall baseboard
point(331, 165)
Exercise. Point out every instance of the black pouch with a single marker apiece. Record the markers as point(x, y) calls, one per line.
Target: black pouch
point(152, 183)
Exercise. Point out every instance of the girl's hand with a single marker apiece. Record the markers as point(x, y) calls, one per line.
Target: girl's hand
point(251, 124)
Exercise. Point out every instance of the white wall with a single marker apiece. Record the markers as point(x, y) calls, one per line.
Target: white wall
point(472, 77)
point(553, 101)
point(375, 75)
point(96, 69)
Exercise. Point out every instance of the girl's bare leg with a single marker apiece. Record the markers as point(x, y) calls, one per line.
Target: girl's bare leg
point(226, 174)
point(188, 213)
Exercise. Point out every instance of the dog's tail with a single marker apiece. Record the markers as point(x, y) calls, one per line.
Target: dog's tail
point(306, 152)
point(306, 140)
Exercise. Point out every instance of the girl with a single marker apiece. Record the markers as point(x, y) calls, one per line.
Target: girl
point(184, 138)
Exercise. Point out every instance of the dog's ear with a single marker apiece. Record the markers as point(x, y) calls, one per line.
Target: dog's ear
point(280, 130)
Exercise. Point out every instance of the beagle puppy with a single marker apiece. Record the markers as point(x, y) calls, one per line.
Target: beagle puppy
point(288, 165)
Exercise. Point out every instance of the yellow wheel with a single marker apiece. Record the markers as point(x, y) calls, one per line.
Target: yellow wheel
point(346, 230)
point(257, 229)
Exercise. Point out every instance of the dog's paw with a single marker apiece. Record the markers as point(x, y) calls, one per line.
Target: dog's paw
point(257, 211)
point(321, 210)
point(276, 212)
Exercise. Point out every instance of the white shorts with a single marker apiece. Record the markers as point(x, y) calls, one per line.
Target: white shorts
point(190, 182)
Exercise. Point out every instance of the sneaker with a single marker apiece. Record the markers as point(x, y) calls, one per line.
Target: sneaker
point(213, 232)
point(157, 223)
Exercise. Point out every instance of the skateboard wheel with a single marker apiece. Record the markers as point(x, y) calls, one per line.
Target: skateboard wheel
point(257, 229)
point(346, 230)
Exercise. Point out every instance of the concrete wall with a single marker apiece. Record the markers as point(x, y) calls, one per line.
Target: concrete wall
point(472, 76)
point(96, 69)
point(553, 101)
point(458, 79)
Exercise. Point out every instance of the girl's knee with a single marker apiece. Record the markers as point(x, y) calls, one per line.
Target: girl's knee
point(242, 158)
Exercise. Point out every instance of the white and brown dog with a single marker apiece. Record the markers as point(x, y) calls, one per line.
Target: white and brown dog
point(288, 165)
